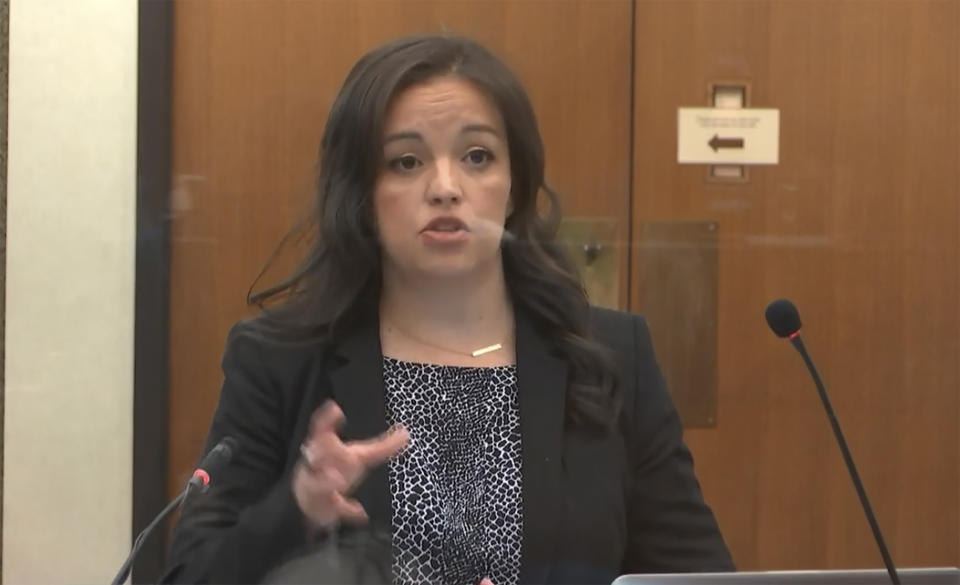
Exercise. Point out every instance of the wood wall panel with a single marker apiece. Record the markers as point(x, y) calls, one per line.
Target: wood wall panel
point(253, 82)
point(859, 225)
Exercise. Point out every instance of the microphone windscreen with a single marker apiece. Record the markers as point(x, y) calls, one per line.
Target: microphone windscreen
point(783, 317)
point(219, 456)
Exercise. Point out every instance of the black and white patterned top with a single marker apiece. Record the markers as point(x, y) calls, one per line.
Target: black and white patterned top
point(457, 513)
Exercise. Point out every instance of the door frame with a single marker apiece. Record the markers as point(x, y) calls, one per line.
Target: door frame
point(152, 289)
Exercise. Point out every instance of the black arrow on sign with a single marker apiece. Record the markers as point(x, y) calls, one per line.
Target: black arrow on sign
point(716, 143)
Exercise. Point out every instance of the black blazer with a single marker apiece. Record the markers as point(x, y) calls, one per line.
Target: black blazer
point(593, 508)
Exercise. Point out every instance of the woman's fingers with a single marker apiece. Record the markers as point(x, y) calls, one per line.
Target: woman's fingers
point(321, 498)
point(332, 468)
point(373, 452)
point(326, 419)
point(323, 446)
point(349, 510)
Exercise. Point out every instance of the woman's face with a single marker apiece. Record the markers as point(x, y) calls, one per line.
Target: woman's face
point(443, 189)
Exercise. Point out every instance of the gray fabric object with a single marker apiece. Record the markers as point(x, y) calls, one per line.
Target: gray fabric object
point(360, 557)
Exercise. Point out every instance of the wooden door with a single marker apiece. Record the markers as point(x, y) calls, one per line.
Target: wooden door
point(859, 225)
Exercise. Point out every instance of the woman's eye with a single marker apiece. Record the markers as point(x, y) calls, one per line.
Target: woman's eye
point(407, 162)
point(479, 156)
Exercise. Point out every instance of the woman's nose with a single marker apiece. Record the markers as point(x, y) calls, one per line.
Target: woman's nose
point(444, 188)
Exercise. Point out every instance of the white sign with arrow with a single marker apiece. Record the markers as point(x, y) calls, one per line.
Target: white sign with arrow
point(748, 136)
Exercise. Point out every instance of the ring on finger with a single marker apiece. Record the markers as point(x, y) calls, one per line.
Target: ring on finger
point(308, 457)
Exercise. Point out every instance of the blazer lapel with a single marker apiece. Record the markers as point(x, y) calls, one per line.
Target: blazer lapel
point(357, 379)
point(541, 388)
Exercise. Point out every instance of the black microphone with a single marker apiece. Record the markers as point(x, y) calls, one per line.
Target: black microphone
point(215, 460)
point(212, 463)
point(784, 319)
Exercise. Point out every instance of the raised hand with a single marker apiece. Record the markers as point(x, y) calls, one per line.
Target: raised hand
point(330, 469)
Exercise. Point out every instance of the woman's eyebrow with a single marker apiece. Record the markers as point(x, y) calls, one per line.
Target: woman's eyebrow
point(403, 135)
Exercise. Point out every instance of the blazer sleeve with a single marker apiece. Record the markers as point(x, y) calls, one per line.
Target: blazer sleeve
point(248, 521)
point(670, 526)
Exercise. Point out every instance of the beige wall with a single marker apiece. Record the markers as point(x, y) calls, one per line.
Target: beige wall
point(70, 290)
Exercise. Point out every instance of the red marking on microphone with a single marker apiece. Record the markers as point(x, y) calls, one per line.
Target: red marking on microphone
point(203, 475)
point(794, 334)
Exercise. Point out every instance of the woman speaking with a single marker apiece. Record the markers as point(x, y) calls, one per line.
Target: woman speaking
point(433, 368)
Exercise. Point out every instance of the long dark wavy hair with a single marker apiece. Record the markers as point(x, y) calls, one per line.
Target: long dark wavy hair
point(340, 277)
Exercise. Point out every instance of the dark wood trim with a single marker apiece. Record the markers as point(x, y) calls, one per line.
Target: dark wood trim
point(630, 232)
point(4, 83)
point(151, 333)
